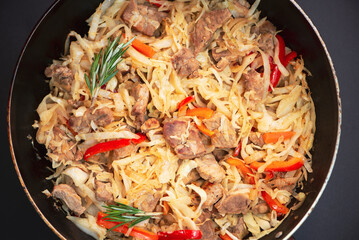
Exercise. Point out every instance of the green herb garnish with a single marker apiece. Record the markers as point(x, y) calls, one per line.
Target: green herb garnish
point(125, 215)
point(104, 65)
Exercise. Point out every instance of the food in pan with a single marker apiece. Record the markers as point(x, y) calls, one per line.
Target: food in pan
point(177, 120)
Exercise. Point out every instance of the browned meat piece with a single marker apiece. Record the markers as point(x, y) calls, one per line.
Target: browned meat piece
point(123, 152)
point(256, 139)
point(191, 177)
point(241, 8)
point(225, 135)
point(69, 196)
point(223, 58)
point(150, 124)
point(147, 201)
point(209, 169)
point(184, 138)
point(233, 203)
point(214, 193)
point(62, 147)
point(206, 26)
point(219, 154)
point(102, 192)
point(284, 183)
point(141, 94)
point(267, 34)
point(101, 117)
point(206, 225)
point(145, 19)
point(62, 76)
point(240, 230)
point(261, 208)
point(184, 63)
point(254, 82)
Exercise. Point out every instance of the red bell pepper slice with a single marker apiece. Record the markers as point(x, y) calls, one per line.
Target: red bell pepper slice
point(246, 171)
point(274, 204)
point(280, 166)
point(154, 3)
point(281, 53)
point(289, 57)
point(205, 130)
point(112, 145)
point(274, 77)
point(185, 101)
point(225, 237)
point(237, 150)
point(273, 137)
point(135, 232)
point(200, 112)
point(180, 235)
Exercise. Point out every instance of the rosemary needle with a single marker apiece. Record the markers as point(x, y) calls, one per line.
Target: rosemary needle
point(125, 215)
point(104, 66)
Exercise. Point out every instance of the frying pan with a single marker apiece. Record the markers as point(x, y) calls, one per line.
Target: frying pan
point(46, 42)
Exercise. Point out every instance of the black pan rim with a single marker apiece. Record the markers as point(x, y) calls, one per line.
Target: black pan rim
point(333, 160)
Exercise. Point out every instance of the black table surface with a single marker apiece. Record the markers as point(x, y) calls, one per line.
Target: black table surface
point(336, 215)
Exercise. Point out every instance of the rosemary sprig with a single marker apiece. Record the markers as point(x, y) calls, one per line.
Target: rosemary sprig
point(104, 65)
point(125, 215)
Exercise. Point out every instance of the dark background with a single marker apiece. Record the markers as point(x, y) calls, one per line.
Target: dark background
point(336, 216)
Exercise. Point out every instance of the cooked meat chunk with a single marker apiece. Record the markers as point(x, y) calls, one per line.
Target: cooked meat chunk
point(150, 124)
point(254, 82)
point(206, 225)
point(256, 139)
point(240, 229)
point(261, 208)
point(206, 26)
point(283, 183)
point(147, 201)
point(103, 192)
point(62, 76)
point(219, 154)
point(209, 169)
point(184, 138)
point(241, 8)
point(141, 94)
point(191, 177)
point(225, 134)
point(223, 58)
point(101, 117)
point(214, 193)
point(145, 19)
point(185, 63)
point(267, 34)
point(233, 203)
point(69, 196)
point(123, 152)
point(62, 147)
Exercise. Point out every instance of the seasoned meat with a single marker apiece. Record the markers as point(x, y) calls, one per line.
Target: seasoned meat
point(267, 34)
point(191, 177)
point(219, 154)
point(62, 76)
point(206, 26)
point(62, 147)
point(145, 19)
point(223, 58)
point(141, 94)
point(102, 192)
point(283, 183)
point(225, 135)
point(241, 8)
point(261, 208)
point(101, 117)
point(69, 196)
point(184, 138)
point(256, 139)
point(254, 82)
point(209, 169)
point(185, 63)
point(214, 193)
point(147, 201)
point(123, 152)
point(240, 229)
point(206, 225)
point(150, 124)
point(233, 203)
